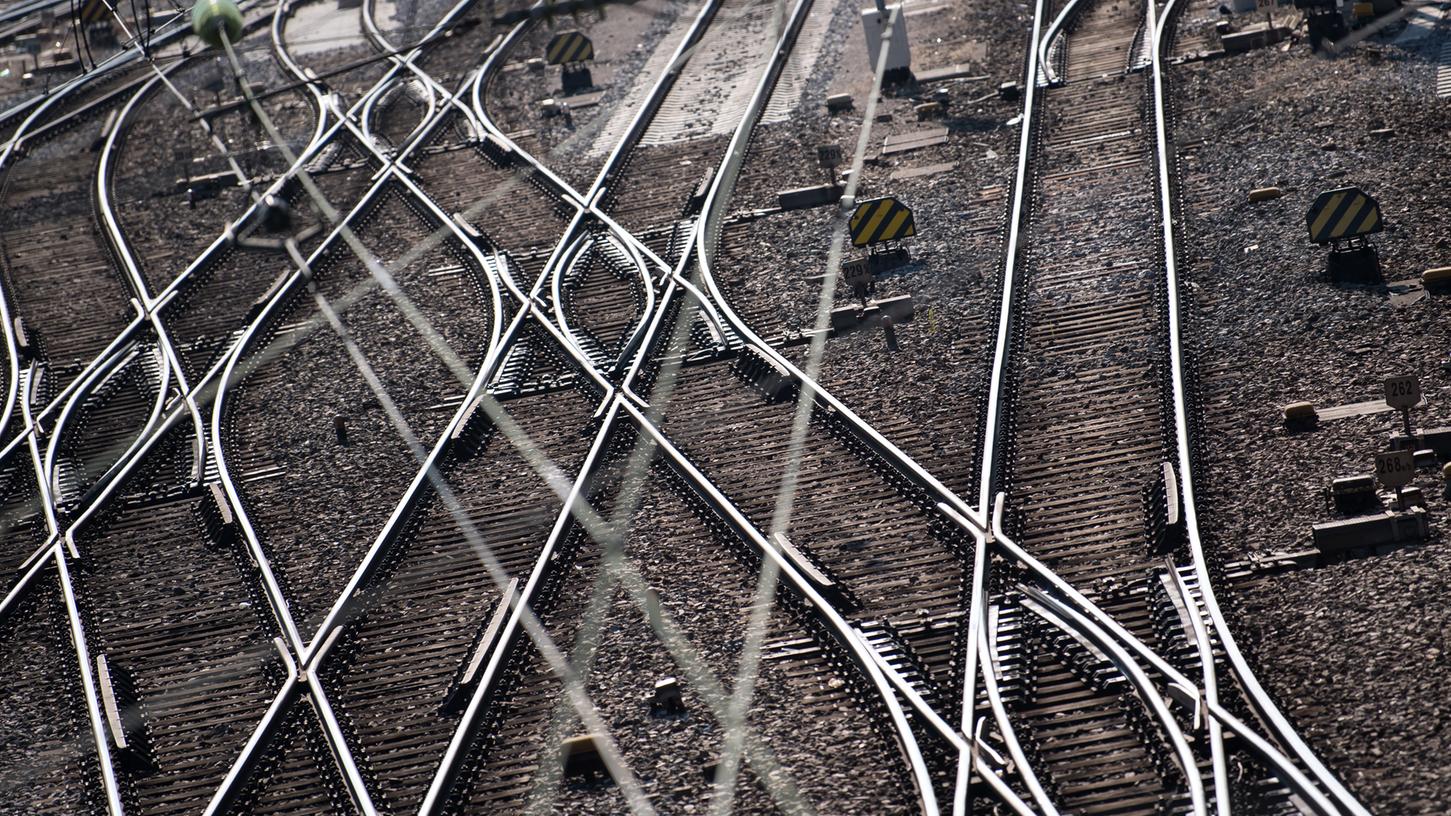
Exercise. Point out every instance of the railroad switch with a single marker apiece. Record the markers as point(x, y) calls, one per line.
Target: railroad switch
point(582, 757)
point(1353, 494)
point(837, 103)
point(1357, 263)
point(1378, 533)
point(1299, 415)
point(847, 319)
point(667, 697)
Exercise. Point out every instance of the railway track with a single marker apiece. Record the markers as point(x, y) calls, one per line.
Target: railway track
point(337, 449)
point(47, 767)
point(1087, 418)
point(884, 624)
point(180, 722)
point(544, 591)
point(1089, 455)
point(163, 685)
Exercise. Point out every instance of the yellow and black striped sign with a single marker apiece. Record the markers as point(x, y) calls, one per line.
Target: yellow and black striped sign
point(1344, 213)
point(569, 46)
point(94, 11)
point(881, 219)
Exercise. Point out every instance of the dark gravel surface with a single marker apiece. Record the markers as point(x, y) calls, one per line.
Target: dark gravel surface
point(1353, 651)
point(286, 415)
point(824, 738)
point(624, 40)
point(768, 268)
point(163, 148)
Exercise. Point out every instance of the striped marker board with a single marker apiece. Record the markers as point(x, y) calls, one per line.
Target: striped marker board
point(881, 219)
point(1340, 214)
point(567, 47)
point(94, 11)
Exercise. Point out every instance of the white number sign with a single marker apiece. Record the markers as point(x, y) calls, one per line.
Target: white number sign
point(1395, 468)
point(1403, 392)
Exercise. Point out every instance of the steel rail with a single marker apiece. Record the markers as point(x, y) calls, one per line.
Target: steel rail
point(619, 155)
point(313, 652)
point(237, 774)
point(1205, 649)
point(519, 618)
point(1258, 698)
point(76, 404)
point(157, 304)
point(638, 408)
point(866, 658)
point(716, 202)
point(282, 293)
point(270, 587)
point(1051, 44)
point(588, 201)
point(585, 242)
point(11, 153)
point(977, 616)
point(152, 305)
point(714, 212)
point(110, 785)
point(1039, 59)
point(566, 248)
point(121, 248)
point(1004, 723)
point(172, 29)
point(1078, 625)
